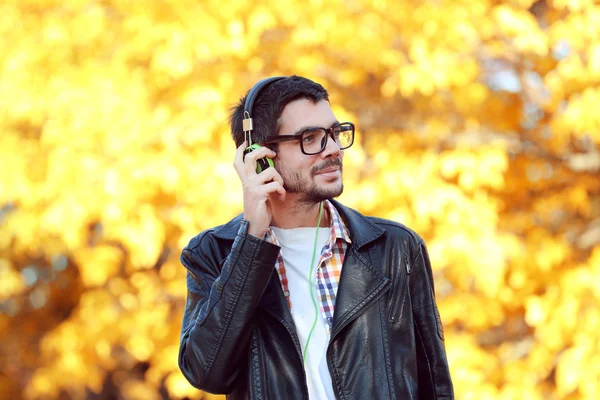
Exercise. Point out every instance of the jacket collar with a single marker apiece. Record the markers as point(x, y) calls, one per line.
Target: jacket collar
point(362, 230)
point(229, 230)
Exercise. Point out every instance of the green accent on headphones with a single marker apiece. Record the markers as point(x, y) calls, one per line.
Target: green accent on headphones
point(261, 163)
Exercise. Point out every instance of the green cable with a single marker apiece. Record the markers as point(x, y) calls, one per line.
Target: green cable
point(310, 285)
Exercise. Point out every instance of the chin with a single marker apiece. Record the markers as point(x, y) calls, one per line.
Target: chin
point(325, 192)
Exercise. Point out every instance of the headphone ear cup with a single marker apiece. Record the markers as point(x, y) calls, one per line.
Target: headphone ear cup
point(261, 163)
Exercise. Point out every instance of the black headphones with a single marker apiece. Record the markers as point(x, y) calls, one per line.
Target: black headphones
point(248, 126)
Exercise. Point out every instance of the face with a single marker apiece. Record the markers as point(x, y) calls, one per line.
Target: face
point(314, 177)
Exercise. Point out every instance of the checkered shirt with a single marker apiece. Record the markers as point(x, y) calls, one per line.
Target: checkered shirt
point(329, 266)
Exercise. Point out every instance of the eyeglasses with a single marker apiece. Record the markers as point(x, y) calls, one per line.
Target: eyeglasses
point(314, 140)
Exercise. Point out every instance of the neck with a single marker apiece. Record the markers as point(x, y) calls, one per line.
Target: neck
point(295, 214)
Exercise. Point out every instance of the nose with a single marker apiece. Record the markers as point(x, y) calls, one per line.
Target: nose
point(331, 148)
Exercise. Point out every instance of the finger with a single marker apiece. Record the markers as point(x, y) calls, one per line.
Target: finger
point(238, 161)
point(250, 159)
point(269, 174)
point(274, 187)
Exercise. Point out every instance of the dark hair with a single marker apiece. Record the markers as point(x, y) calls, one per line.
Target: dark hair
point(269, 105)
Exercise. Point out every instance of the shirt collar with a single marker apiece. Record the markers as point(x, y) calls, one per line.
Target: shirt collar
point(340, 231)
point(337, 223)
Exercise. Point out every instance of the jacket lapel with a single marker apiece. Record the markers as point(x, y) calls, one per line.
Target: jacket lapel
point(361, 283)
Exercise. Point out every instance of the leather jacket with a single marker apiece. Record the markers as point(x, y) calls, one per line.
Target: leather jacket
point(238, 336)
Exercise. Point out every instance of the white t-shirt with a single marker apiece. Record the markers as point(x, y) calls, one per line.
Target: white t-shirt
point(297, 249)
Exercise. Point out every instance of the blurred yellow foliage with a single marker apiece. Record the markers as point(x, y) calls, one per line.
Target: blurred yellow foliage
point(477, 127)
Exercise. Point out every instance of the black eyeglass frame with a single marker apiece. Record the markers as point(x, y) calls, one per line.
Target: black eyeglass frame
point(298, 136)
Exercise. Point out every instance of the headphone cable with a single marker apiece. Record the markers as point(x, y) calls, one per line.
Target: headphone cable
point(310, 285)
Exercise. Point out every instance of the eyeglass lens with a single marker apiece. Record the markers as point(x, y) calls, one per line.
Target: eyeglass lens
point(315, 140)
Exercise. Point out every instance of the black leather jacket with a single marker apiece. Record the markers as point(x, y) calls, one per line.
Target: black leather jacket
point(238, 336)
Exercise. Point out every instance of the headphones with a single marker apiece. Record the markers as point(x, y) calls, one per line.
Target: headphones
point(248, 126)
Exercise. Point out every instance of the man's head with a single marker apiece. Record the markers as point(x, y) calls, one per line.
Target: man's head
point(287, 107)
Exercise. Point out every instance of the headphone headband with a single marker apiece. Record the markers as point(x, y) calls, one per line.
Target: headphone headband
point(249, 103)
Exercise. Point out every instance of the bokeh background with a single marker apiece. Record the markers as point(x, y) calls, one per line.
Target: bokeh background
point(478, 127)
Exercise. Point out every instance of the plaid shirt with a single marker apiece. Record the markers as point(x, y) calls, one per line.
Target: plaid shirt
point(329, 266)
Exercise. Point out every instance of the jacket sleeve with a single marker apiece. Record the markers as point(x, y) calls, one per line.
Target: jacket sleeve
point(220, 306)
point(433, 372)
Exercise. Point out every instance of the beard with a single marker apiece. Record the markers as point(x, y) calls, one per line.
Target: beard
point(298, 183)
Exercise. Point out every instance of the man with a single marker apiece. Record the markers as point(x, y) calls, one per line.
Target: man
point(301, 296)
